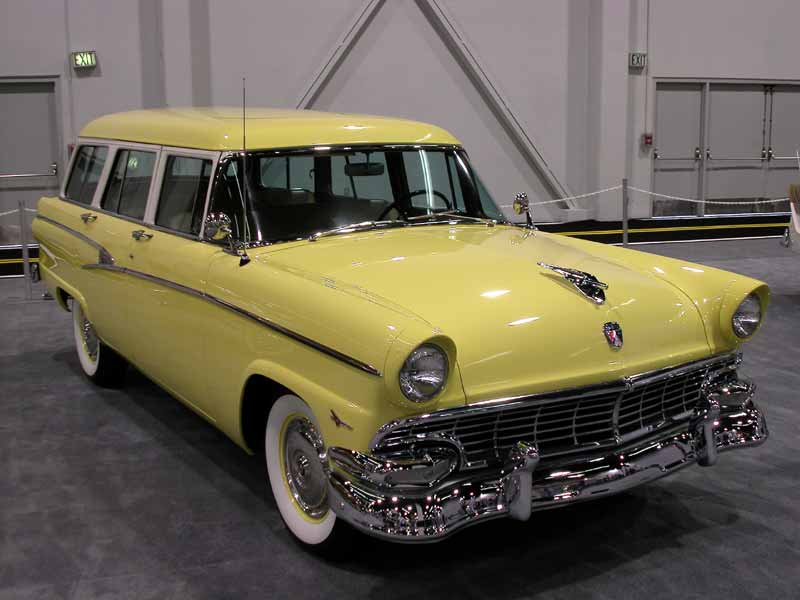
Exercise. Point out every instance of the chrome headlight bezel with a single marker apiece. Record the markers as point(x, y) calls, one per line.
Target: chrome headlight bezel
point(410, 378)
point(747, 317)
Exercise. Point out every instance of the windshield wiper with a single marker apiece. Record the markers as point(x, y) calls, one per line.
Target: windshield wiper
point(353, 227)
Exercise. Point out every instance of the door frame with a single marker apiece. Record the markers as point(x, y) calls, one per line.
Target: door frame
point(702, 138)
point(58, 91)
point(62, 159)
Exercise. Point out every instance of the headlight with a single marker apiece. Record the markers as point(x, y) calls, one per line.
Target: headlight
point(747, 317)
point(424, 373)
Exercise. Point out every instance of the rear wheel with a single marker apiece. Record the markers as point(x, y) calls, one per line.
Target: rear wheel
point(297, 476)
point(99, 362)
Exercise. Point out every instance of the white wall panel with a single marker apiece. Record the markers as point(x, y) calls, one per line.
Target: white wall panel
point(560, 65)
point(112, 28)
point(277, 45)
point(724, 38)
point(177, 52)
point(522, 45)
point(32, 38)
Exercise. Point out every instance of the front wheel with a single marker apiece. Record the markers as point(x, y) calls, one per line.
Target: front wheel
point(99, 362)
point(298, 479)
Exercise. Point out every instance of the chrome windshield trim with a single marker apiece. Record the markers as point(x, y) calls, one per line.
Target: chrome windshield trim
point(355, 227)
point(104, 256)
point(621, 385)
point(353, 362)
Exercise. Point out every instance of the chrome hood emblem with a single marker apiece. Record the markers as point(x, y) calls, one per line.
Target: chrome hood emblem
point(586, 283)
point(613, 333)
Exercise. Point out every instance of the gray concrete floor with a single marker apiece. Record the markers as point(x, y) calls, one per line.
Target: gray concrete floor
point(126, 494)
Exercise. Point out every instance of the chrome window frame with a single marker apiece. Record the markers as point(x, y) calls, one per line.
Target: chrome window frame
point(161, 167)
point(118, 147)
point(62, 190)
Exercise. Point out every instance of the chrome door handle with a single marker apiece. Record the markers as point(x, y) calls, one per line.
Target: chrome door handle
point(141, 234)
point(88, 217)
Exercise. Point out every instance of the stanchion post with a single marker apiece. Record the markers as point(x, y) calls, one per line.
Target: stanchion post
point(625, 211)
point(26, 259)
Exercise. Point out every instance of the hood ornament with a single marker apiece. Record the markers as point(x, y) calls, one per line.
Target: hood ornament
point(586, 283)
point(613, 333)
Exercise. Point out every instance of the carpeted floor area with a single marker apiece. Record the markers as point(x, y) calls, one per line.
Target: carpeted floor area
point(127, 494)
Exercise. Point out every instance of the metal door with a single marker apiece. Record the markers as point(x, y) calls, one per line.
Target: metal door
point(736, 149)
point(28, 153)
point(783, 144)
point(677, 168)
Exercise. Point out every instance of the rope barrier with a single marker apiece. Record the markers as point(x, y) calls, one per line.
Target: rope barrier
point(696, 201)
point(658, 195)
point(15, 211)
point(578, 197)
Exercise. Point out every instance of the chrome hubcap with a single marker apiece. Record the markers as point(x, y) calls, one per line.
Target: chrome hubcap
point(90, 341)
point(304, 472)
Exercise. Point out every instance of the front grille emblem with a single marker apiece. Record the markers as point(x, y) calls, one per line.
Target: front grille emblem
point(613, 333)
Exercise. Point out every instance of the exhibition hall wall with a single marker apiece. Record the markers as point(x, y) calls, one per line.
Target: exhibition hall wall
point(561, 68)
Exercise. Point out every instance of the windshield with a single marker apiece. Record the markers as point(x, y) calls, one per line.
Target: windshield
point(295, 194)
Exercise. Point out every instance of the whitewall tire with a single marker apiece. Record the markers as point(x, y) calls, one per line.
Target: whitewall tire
point(296, 474)
point(99, 362)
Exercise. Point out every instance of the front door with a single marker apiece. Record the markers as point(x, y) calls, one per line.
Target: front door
point(169, 265)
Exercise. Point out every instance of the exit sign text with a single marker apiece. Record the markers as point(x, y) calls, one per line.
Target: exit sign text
point(85, 59)
point(637, 60)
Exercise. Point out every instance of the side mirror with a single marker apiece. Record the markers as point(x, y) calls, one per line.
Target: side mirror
point(523, 207)
point(521, 204)
point(217, 227)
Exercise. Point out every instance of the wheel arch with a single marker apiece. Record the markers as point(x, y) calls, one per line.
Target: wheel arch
point(342, 421)
point(258, 395)
point(63, 291)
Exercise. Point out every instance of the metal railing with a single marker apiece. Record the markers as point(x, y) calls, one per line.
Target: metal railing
point(23, 235)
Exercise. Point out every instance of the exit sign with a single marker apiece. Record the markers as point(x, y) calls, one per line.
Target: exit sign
point(637, 60)
point(85, 59)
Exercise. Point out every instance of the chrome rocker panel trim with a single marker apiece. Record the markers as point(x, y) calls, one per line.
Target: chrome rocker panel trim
point(359, 492)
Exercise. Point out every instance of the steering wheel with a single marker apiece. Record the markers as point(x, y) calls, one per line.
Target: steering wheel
point(396, 204)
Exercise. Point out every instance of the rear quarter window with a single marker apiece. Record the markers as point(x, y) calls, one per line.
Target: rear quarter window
point(85, 174)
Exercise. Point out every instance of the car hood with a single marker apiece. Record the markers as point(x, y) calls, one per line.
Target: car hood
point(518, 328)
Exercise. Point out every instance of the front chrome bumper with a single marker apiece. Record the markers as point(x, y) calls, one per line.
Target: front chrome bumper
point(383, 498)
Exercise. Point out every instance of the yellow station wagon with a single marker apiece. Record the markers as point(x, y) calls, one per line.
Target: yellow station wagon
point(345, 295)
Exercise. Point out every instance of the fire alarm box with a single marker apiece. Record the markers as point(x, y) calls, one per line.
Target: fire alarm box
point(647, 139)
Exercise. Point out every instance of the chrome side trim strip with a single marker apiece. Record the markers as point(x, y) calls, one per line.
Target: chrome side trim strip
point(500, 404)
point(353, 362)
point(104, 257)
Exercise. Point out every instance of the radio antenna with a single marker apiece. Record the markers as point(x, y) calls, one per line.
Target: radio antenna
point(242, 249)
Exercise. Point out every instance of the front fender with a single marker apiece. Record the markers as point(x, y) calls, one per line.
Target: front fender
point(359, 413)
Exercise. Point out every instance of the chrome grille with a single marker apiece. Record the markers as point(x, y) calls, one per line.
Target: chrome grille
point(563, 422)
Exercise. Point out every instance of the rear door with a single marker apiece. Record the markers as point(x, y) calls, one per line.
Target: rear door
point(118, 212)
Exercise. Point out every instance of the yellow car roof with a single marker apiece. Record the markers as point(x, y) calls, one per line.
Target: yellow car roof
point(220, 128)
